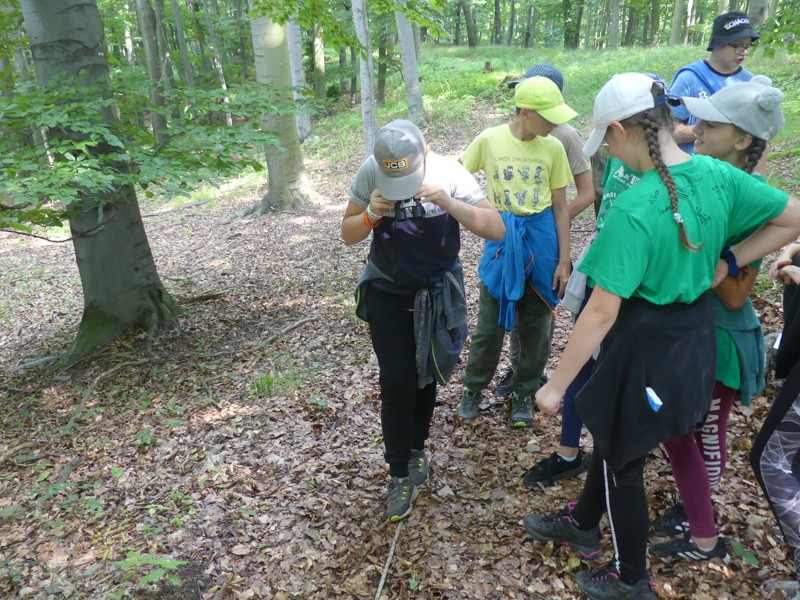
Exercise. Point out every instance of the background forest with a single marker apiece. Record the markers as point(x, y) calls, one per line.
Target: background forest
point(189, 408)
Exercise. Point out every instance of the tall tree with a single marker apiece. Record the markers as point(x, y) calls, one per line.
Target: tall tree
point(472, 32)
point(655, 17)
point(613, 26)
point(512, 17)
point(218, 63)
point(678, 20)
point(121, 286)
point(288, 184)
point(361, 24)
point(295, 42)
point(408, 55)
point(319, 63)
point(757, 11)
point(153, 61)
point(570, 25)
point(498, 23)
point(188, 71)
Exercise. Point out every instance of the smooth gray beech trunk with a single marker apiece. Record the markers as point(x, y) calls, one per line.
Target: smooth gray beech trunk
point(218, 63)
point(408, 54)
point(613, 25)
point(288, 185)
point(188, 72)
point(678, 22)
point(121, 286)
point(295, 38)
point(153, 60)
point(361, 24)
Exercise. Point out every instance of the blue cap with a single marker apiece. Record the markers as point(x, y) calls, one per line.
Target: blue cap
point(542, 70)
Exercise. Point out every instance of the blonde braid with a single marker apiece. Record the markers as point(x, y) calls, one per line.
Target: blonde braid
point(650, 126)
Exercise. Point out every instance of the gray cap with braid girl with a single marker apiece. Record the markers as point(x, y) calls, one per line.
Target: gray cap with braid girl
point(753, 107)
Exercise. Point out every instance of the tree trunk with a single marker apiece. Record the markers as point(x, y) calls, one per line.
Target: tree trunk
point(152, 59)
point(361, 24)
point(199, 35)
point(383, 57)
point(724, 6)
point(678, 20)
point(773, 8)
point(512, 17)
point(295, 43)
point(567, 11)
point(121, 286)
point(587, 36)
point(472, 31)
point(576, 39)
point(498, 25)
point(457, 32)
point(188, 72)
point(342, 69)
point(631, 26)
point(655, 17)
point(757, 11)
point(218, 64)
point(405, 37)
point(353, 76)
point(288, 184)
point(529, 21)
point(613, 26)
point(130, 53)
point(690, 16)
point(319, 63)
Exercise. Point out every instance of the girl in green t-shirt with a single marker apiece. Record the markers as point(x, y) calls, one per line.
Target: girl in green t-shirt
point(653, 263)
point(735, 125)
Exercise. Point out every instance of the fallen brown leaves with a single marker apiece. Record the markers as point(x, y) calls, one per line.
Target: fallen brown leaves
point(249, 444)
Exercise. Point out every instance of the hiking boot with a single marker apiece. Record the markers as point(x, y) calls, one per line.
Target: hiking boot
point(673, 522)
point(469, 405)
point(685, 548)
point(553, 468)
point(418, 467)
point(561, 529)
point(504, 388)
point(606, 584)
point(521, 415)
point(402, 494)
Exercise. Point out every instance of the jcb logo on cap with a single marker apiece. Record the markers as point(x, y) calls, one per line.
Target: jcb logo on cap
point(395, 165)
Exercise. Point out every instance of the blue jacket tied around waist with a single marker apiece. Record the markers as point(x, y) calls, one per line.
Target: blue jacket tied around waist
point(527, 253)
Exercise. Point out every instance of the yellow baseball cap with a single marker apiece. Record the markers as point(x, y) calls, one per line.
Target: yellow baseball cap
point(543, 96)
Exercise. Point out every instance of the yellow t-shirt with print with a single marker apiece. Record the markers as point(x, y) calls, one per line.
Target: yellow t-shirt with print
point(519, 175)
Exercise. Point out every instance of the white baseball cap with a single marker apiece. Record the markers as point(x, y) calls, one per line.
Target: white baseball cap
point(623, 96)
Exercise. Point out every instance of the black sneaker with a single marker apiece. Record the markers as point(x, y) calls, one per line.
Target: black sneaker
point(521, 411)
point(606, 584)
point(543, 379)
point(504, 388)
point(684, 548)
point(469, 405)
point(553, 468)
point(418, 467)
point(561, 529)
point(673, 522)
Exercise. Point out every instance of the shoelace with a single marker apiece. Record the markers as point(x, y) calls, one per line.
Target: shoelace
point(605, 573)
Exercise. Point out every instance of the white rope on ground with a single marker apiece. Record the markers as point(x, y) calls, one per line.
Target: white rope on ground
point(389, 560)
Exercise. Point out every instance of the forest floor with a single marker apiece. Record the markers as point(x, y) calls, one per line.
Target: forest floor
point(244, 455)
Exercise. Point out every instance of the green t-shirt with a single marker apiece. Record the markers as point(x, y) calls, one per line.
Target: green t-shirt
point(520, 175)
point(638, 252)
point(616, 179)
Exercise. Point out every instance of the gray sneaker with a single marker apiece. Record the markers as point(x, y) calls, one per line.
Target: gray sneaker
point(418, 467)
point(468, 407)
point(402, 494)
point(521, 415)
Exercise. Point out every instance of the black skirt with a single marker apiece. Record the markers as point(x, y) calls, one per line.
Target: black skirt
point(669, 349)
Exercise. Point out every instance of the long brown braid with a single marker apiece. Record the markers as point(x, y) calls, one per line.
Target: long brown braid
point(650, 121)
point(753, 153)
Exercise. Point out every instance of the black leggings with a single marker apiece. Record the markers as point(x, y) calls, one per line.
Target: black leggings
point(622, 494)
point(406, 410)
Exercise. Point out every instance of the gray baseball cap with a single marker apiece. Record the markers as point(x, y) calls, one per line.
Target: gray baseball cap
point(400, 154)
point(753, 106)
